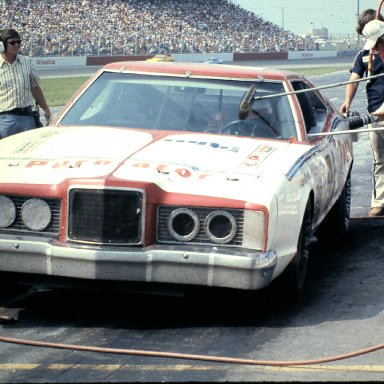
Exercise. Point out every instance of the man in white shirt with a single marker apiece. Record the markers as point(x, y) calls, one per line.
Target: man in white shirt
point(19, 87)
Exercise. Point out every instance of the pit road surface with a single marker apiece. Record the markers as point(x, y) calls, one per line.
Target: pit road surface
point(341, 311)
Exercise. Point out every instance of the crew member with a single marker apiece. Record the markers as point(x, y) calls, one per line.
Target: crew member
point(19, 87)
point(373, 32)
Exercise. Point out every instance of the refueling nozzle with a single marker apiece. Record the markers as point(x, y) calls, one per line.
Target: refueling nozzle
point(355, 120)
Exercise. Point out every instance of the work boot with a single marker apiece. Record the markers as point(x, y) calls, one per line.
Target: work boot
point(376, 211)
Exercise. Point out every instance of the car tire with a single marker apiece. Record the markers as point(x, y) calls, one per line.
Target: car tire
point(8, 283)
point(335, 226)
point(294, 277)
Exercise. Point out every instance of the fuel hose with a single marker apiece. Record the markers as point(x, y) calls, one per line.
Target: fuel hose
point(174, 355)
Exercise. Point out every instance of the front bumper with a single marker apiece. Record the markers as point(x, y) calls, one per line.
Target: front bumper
point(203, 266)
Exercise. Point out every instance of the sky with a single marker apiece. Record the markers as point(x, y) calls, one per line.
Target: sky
point(301, 16)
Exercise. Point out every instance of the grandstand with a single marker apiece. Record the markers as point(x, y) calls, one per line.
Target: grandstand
point(142, 27)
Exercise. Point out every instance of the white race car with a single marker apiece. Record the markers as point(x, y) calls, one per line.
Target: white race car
point(177, 174)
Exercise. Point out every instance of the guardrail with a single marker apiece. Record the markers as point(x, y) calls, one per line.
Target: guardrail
point(81, 61)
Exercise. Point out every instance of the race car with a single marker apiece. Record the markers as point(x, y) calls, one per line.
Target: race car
point(161, 58)
point(214, 60)
point(177, 174)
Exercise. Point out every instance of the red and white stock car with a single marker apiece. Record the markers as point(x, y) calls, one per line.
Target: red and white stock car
point(180, 174)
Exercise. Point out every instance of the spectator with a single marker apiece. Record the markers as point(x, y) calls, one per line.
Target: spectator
point(77, 27)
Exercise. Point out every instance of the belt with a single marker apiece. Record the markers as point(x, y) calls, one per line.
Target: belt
point(27, 111)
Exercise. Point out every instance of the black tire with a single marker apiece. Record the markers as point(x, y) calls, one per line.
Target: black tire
point(9, 282)
point(294, 277)
point(335, 226)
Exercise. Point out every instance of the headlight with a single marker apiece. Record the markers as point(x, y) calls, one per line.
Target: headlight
point(254, 230)
point(183, 224)
point(220, 227)
point(36, 214)
point(7, 212)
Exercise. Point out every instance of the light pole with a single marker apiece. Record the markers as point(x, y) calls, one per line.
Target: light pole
point(358, 12)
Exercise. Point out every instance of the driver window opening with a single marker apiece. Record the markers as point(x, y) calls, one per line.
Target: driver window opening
point(313, 109)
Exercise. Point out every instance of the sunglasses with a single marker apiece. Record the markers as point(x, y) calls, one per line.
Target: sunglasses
point(14, 42)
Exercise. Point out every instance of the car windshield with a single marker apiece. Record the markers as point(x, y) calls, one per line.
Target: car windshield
point(155, 102)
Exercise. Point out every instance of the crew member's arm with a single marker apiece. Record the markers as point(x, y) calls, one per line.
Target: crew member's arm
point(38, 95)
point(350, 93)
point(379, 112)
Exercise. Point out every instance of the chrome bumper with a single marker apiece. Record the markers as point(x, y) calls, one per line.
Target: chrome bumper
point(204, 266)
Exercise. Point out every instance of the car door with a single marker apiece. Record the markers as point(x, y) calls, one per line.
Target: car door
point(327, 165)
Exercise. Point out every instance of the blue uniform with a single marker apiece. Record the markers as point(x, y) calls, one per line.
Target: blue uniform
point(375, 87)
point(375, 96)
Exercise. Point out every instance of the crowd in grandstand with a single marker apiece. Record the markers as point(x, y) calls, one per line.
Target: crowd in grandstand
point(100, 27)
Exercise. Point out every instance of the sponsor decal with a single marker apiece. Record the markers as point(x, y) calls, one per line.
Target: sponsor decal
point(258, 155)
point(45, 61)
point(34, 142)
point(167, 170)
point(345, 151)
point(205, 143)
point(59, 164)
point(305, 179)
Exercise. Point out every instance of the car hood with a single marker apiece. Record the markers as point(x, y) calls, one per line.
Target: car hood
point(173, 161)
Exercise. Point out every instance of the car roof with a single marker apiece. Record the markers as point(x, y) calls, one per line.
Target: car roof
point(203, 70)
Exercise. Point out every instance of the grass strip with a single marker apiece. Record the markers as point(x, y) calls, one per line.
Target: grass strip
point(58, 90)
point(314, 71)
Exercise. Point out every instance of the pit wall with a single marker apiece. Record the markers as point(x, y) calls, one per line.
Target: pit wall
point(81, 61)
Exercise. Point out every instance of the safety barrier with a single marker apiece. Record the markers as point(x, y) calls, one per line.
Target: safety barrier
point(81, 61)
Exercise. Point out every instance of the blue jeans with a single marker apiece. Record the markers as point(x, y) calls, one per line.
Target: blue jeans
point(12, 124)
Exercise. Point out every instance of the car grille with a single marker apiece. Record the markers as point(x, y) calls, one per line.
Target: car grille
point(106, 216)
point(164, 236)
point(18, 226)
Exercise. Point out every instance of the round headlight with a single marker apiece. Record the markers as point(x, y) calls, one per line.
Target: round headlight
point(183, 224)
point(7, 212)
point(220, 227)
point(36, 214)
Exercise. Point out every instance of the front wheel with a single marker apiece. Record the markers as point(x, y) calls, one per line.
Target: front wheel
point(294, 276)
point(335, 226)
